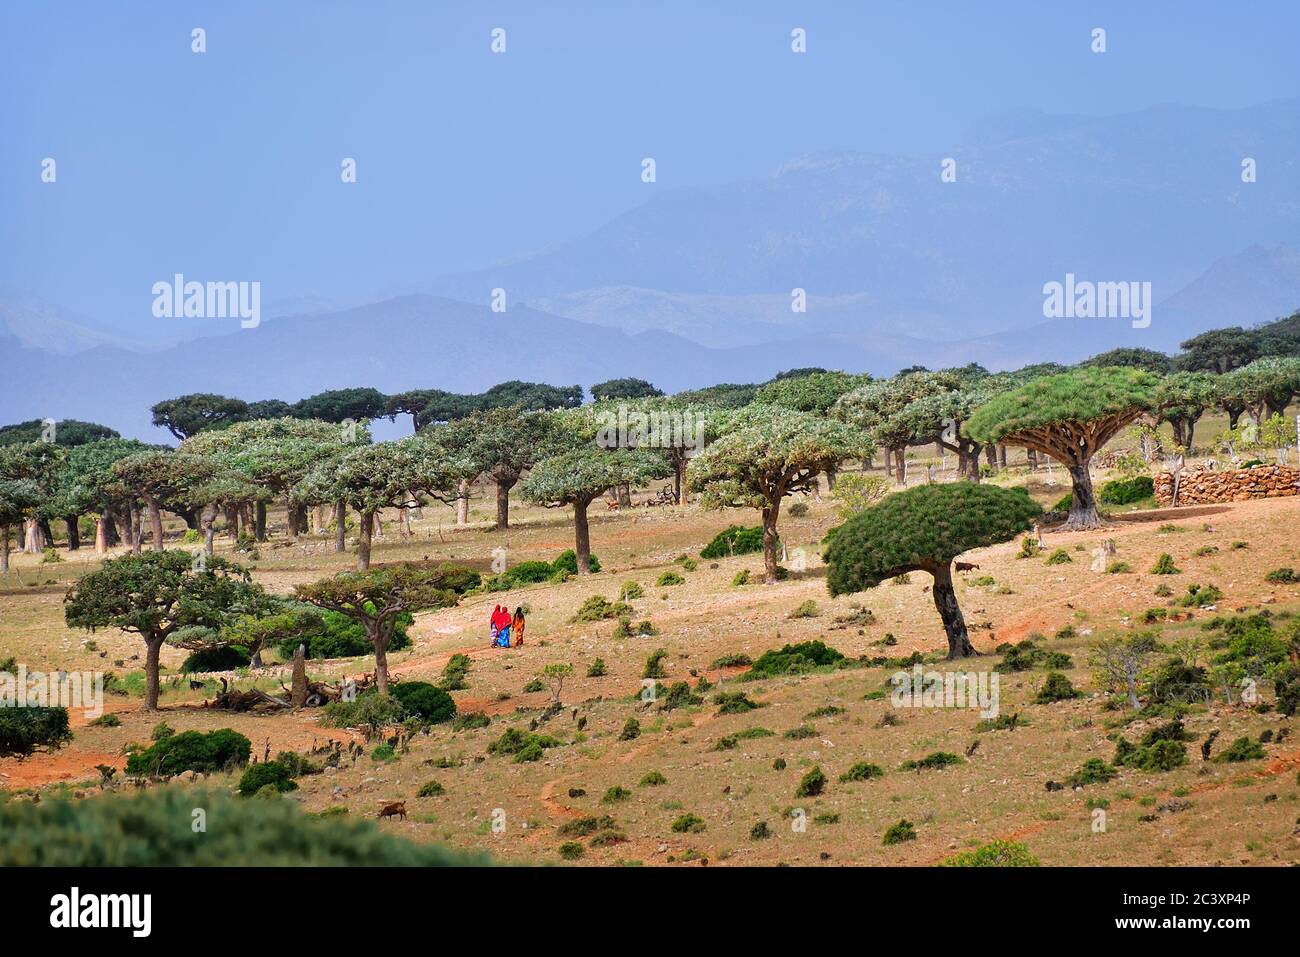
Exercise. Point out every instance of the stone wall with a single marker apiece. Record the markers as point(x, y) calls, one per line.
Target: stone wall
point(1228, 485)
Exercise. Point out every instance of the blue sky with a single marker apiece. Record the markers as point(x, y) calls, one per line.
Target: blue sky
point(225, 165)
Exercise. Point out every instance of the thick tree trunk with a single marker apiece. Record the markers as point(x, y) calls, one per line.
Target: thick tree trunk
point(624, 495)
point(770, 515)
point(679, 468)
point(973, 462)
point(582, 538)
point(503, 505)
point(4, 549)
point(340, 527)
point(34, 540)
point(111, 536)
point(153, 647)
point(900, 466)
point(366, 536)
point(462, 502)
point(259, 521)
point(155, 523)
point(1083, 505)
point(191, 516)
point(137, 530)
point(381, 665)
point(232, 521)
point(74, 533)
point(831, 474)
point(206, 519)
point(101, 534)
point(1032, 456)
point(321, 520)
point(954, 625)
point(991, 454)
point(1002, 456)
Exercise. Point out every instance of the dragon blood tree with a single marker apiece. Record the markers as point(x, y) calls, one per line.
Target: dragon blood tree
point(924, 529)
point(1069, 417)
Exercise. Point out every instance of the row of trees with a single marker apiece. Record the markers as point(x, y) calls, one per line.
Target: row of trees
point(790, 431)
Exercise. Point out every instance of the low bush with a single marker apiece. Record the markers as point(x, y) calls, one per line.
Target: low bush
point(24, 730)
point(933, 762)
point(734, 540)
point(427, 702)
point(1056, 687)
point(201, 751)
point(862, 771)
point(793, 659)
point(811, 784)
point(153, 829)
point(994, 854)
point(271, 774)
point(904, 830)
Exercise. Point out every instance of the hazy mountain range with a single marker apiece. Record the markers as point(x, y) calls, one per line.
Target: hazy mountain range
point(694, 286)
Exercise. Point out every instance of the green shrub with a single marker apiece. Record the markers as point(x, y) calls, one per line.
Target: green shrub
point(223, 658)
point(339, 636)
point(904, 830)
point(1165, 565)
point(631, 591)
point(734, 540)
point(687, 824)
point(599, 608)
point(271, 774)
point(367, 711)
point(571, 850)
point(205, 752)
point(1118, 568)
point(679, 695)
point(1243, 749)
point(24, 730)
point(1159, 754)
point(524, 745)
point(1059, 557)
point(1127, 491)
point(793, 659)
point(615, 794)
point(427, 702)
point(153, 829)
point(807, 609)
point(652, 779)
point(811, 784)
point(1282, 576)
point(470, 720)
point(738, 660)
point(994, 854)
point(109, 720)
point(597, 669)
point(1201, 596)
point(741, 578)
point(862, 771)
point(760, 831)
point(933, 762)
point(631, 730)
point(567, 561)
point(669, 578)
point(1093, 771)
point(733, 702)
point(654, 665)
point(1056, 687)
point(585, 826)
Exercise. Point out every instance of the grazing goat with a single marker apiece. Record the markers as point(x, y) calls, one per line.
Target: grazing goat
point(396, 809)
point(966, 567)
